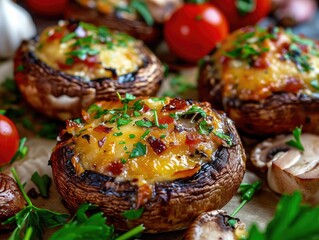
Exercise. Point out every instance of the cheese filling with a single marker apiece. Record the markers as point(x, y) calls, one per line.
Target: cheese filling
point(254, 63)
point(87, 51)
point(146, 140)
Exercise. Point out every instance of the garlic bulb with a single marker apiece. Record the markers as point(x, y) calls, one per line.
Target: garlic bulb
point(15, 25)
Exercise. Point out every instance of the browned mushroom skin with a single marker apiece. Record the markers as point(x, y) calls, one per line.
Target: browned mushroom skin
point(42, 86)
point(172, 206)
point(279, 113)
point(11, 199)
point(136, 28)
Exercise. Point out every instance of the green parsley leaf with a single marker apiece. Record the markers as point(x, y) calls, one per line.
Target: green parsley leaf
point(145, 134)
point(123, 122)
point(224, 137)
point(138, 105)
point(315, 84)
point(296, 143)
point(68, 37)
point(141, 7)
point(138, 150)
point(205, 128)
point(117, 134)
point(43, 183)
point(3, 112)
point(163, 136)
point(69, 61)
point(144, 123)
point(132, 136)
point(292, 221)
point(195, 109)
point(128, 98)
point(245, 6)
point(133, 214)
point(31, 217)
point(136, 114)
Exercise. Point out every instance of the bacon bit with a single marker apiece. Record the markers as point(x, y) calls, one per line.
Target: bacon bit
point(157, 145)
point(165, 119)
point(71, 124)
point(224, 59)
point(115, 168)
point(186, 173)
point(64, 66)
point(192, 139)
point(55, 36)
point(102, 129)
point(261, 62)
point(85, 115)
point(144, 193)
point(101, 142)
point(145, 108)
point(293, 85)
point(64, 135)
point(175, 104)
point(86, 137)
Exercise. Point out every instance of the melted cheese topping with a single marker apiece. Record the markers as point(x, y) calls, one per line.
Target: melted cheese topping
point(85, 54)
point(173, 148)
point(282, 62)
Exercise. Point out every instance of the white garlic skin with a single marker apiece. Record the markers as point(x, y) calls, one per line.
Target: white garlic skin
point(16, 25)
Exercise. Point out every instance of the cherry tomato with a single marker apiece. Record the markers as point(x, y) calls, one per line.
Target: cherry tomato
point(194, 29)
point(249, 14)
point(9, 140)
point(47, 7)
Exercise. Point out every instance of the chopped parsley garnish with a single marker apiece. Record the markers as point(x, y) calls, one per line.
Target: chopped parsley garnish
point(20, 68)
point(122, 142)
point(117, 134)
point(2, 111)
point(138, 150)
point(123, 160)
point(193, 110)
point(133, 214)
point(144, 123)
point(21, 152)
point(132, 136)
point(145, 133)
point(163, 136)
point(123, 122)
point(315, 84)
point(205, 128)
point(301, 60)
point(245, 6)
point(223, 136)
point(68, 37)
point(43, 183)
point(141, 7)
point(83, 52)
point(296, 142)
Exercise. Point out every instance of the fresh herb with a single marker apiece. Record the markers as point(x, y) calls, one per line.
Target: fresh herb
point(245, 6)
point(69, 61)
point(179, 87)
point(145, 134)
point(68, 37)
point(132, 136)
point(26, 122)
point(21, 152)
point(136, 114)
point(138, 105)
point(141, 7)
point(20, 68)
point(144, 123)
point(133, 214)
point(138, 150)
point(223, 136)
point(49, 130)
point(123, 160)
point(117, 134)
point(315, 84)
point(31, 220)
point(205, 128)
point(123, 122)
point(296, 143)
point(43, 183)
point(292, 221)
point(83, 52)
point(301, 60)
point(163, 136)
point(122, 142)
point(2, 111)
point(128, 98)
point(247, 192)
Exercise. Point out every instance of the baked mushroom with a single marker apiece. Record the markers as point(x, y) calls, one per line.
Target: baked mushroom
point(215, 225)
point(122, 15)
point(289, 169)
point(265, 80)
point(171, 159)
point(11, 199)
point(72, 65)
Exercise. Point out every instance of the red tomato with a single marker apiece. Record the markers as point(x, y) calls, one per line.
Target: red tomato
point(238, 19)
point(9, 140)
point(194, 29)
point(47, 7)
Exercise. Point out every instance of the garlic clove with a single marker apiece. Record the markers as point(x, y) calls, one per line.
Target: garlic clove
point(16, 25)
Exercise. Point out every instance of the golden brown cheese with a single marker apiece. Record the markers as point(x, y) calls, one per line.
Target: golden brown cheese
point(254, 63)
point(87, 51)
point(147, 139)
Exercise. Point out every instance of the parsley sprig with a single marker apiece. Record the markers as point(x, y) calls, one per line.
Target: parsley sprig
point(292, 221)
point(43, 183)
point(296, 142)
point(31, 220)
